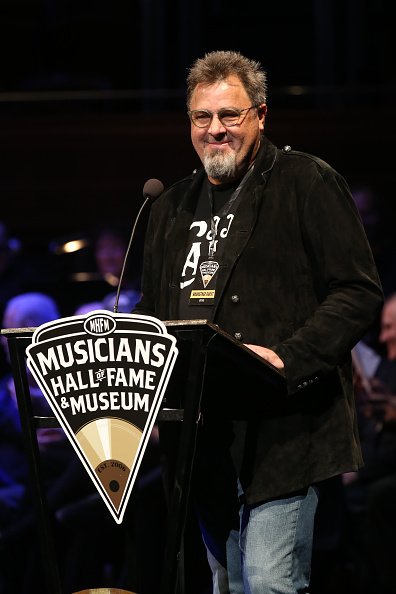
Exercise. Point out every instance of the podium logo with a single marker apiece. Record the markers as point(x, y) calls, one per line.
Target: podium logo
point(104, 376)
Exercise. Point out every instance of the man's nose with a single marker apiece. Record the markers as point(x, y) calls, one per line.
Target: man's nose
point(216, 127)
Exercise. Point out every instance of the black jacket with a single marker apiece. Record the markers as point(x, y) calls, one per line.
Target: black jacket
point(297, 276)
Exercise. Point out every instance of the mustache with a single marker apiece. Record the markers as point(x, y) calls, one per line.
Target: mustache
point(218, 138)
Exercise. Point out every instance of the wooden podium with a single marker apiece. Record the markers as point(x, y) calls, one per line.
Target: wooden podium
point(206, 355)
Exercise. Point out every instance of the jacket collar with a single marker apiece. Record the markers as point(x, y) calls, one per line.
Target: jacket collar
point(266, 156)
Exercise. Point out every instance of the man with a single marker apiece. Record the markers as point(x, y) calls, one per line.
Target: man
point(268, 244)
point(376, 375)
point(381, 517)
point(369, 494)
point(388, 327)
point(376, 396)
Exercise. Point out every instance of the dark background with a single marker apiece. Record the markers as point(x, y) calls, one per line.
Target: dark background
point(92, 98)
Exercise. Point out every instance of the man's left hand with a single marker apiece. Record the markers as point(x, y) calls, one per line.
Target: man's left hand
point(267, 354)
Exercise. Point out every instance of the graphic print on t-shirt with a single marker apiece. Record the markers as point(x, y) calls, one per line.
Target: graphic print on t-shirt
point(198, 268)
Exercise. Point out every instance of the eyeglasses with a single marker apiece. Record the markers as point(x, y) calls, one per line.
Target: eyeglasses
point(228, 116)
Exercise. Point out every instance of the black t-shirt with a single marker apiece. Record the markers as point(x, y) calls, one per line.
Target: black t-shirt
point(213, 217)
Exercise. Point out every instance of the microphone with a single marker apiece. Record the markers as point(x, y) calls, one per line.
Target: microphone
point(152, 189)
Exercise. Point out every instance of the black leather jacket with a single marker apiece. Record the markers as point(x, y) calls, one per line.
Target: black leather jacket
point(297, 276)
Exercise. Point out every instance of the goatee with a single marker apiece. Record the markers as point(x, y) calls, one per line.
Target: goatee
point(220, 166)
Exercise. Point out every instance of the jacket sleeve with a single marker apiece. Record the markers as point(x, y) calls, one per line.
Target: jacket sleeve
point(348, 287)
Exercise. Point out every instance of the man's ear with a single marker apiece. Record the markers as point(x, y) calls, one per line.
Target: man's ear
point(262, 110)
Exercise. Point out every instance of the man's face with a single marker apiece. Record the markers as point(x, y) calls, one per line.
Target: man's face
point(226, 148)
point(388, 329)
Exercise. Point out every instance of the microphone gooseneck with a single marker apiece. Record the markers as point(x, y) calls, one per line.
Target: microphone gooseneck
point(151, 191)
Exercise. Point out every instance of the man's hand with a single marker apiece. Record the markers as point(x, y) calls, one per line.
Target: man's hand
point(267, 354)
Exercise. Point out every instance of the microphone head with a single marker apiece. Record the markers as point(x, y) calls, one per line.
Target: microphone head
point(152, 189)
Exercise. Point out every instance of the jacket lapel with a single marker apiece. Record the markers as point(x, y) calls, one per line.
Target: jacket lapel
point(246, 215)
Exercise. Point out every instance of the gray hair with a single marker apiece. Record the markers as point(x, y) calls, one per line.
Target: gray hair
point(219, 65)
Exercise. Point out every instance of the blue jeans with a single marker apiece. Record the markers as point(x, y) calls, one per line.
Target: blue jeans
point(270, 553)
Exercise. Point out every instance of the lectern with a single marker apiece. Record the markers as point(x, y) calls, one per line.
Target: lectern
point(207, 355)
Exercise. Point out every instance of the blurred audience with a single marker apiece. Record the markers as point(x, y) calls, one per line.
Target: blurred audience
point(123, 555)
point(25, 310)
point(19, 272)
point(13, 272)
point(369, 493)
point(379, 231)
point(109, 251)
point(126, 302)
point(92, 273)
point(85, 308)
point(65, 479)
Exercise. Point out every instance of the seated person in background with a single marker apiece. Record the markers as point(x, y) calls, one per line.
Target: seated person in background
point(110, 247)
point(375, 374)
point(109, 251)
point(26, 310)
point(370, 531)
point(93, 273)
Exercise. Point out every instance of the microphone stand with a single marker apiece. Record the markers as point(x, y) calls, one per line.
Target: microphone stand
point(115, 309)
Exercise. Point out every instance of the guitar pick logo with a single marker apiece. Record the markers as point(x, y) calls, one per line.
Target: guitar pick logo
point(208, 269)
